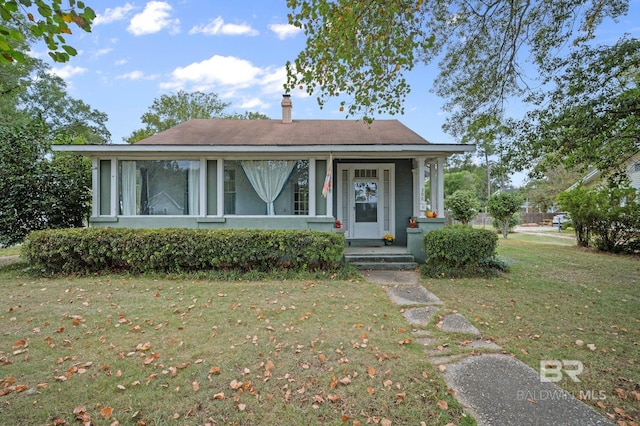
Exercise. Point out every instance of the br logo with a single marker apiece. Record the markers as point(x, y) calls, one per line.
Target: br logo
point(551, 370)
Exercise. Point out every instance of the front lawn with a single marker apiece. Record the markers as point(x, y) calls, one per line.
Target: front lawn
point(561, 302)
point(176, 350)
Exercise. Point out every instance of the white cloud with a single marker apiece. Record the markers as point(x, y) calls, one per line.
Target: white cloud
point(137, 75)
point(284, 31)
point(218, 27)
point(218, 71)
point(121, 62)
point(67, 71)
point(101, 52)
point(155, 17)
point(112, 15)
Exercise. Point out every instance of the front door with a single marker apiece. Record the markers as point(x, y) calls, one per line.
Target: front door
point(364, 200)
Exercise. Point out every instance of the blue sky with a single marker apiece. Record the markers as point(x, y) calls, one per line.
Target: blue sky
point(139, 50)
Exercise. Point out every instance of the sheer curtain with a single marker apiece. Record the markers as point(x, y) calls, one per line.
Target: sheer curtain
point(268, 177)
point(128, 179)
point(194, 188)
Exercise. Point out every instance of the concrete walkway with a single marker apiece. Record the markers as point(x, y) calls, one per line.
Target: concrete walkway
point(494, 386)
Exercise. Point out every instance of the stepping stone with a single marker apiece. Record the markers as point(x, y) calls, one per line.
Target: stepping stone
point(426, 341)
point(445, 359)
point(392, 277)
point(419, 316)
point(457, 323)
point(502, 390)
point(412, 295)
point(482, 344)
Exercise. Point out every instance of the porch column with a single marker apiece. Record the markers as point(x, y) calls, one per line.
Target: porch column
point(95, 187)
point(115, 202)
point(433, 185)
point(419, 173)
point(440, 187)
point(312, 187)
point(220, 186)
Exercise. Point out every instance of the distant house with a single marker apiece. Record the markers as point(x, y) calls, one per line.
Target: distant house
point(631, 166)
point(289, 174)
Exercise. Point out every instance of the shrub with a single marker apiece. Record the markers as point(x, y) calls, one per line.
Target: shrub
point(463, 205)
point(459, 250)
point(181, 250)
point(514, 221)
point(502, 206)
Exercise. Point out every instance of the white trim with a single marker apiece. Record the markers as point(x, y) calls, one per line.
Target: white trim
point(115, 199)
point(346, 151)
point(203, 187)
point(312, 186)
point(95, 185)
point(338, 183)
point(220, 187)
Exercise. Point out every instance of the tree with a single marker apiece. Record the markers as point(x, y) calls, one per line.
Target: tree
point(502, 206)
point(39, 192)
point(591, 119)
point(360, 51)
point(175, 108)
point(463, 205)
point(542, 192)
point(51, 24)
point(45, 97)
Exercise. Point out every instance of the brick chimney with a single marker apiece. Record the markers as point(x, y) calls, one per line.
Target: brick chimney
point(286, 109)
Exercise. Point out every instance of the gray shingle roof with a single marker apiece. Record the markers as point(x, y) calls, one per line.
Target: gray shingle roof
point(218, 132)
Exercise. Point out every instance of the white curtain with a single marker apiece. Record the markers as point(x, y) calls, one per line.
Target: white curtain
point(268, 177)
point(194, 188)
point(128, 179)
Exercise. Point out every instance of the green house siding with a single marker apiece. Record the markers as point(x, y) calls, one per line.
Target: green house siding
point(212, 185)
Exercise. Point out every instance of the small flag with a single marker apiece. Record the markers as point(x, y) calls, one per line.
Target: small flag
point(327, 179)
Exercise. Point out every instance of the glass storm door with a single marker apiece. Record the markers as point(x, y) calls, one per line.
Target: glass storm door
point(365, 200)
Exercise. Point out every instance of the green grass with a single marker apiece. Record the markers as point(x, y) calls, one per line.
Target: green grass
point(555, 296)
point(176, 350)
point(10, 251)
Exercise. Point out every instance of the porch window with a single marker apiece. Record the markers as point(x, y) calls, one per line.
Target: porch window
point(159, 187)
point(266, 187)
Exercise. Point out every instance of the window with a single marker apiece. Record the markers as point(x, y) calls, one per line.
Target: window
point(300, 181)
point(229, 189)
point(159, 187)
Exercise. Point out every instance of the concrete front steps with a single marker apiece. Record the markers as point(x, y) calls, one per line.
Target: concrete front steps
point(391, 258)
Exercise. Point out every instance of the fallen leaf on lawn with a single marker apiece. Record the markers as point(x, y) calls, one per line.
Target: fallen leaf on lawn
point(322, 357)
point(219, 395)
point(385, 422)
point(21, 343)
point(524, 351)
point(442, 404)
point(636, 395)
point(214, 370)
point(371, 372)
point(601, 405)
point(106, 412)
point(195, 386)
point(345, 380)
point(333, 398)
point(620, 393)
point(59, 422)
point(121, 387)
point(401, 395)
point(241, 407)
point(621, 413)
point(148, 360)
point(591, 346)
point(143, 346)
point(442, 368)
point(370, 390)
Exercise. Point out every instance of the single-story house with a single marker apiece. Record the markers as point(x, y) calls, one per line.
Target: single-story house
point(288, 174)
point(631, 167)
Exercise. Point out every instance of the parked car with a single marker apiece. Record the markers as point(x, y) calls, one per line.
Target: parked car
point(560, 219)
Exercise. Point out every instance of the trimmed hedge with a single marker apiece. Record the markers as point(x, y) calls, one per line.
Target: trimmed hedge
point(86, 250)
point(459, 251)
